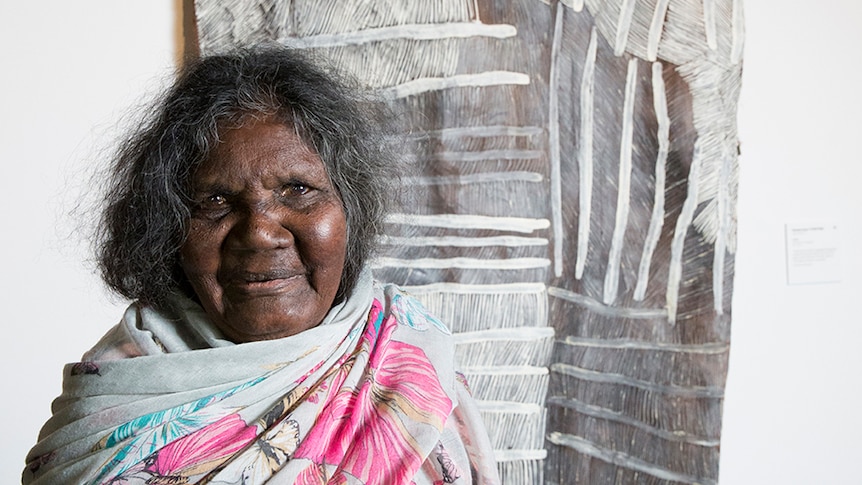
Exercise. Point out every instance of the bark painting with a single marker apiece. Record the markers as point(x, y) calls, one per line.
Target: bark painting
point(573, 214)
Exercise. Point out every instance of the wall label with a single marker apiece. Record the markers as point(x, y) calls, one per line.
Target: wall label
point(812, 253)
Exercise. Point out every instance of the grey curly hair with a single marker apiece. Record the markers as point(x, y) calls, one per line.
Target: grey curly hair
point(147, 206)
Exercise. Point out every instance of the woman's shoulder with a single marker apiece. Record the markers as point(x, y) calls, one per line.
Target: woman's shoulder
point(122, 341)
point(145, 330)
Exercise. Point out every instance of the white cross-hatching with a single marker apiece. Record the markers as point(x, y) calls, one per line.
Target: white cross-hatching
point(656, 28)
point(463, 305)
point(477, 178)
point(709, 392)
point(709, 22)
point(519, 424)
point(484, 79)
point(585, 155)
point(576, 5)
point(524, 384)
point(554, 146)
point(466, 221)
point(623, 459)
point(723, 216)
point(482, 131)
point(674, 278)
point(602, 309)
point(508, 334)
point(476, 156)
point(607, 414)
point(397, 32)
point(624, 24)
point(712, 348)
point(658, 211)
point(462, 263)
point(737, 33)
point(612, 274)
point(503, 456)
point(463, 241)
point(504, 320)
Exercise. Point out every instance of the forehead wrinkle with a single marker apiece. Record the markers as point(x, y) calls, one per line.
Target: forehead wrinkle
point(244, 159)
point(288, 136)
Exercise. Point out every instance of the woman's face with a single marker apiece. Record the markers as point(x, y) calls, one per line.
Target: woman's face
point(268, 235)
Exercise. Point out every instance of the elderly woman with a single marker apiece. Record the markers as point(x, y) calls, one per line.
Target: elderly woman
point(258, 348)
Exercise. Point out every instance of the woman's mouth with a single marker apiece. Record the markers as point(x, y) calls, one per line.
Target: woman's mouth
point(263, 283)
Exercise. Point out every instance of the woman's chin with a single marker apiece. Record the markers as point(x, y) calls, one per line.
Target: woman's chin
point(269, 315)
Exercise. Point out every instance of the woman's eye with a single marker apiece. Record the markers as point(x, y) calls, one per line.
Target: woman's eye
point(216, 200)
point(292, 190)
point(212, 206)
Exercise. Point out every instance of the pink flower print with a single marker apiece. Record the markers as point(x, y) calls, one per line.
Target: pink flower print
point(368, 432)
point(315, 474)
point(205, 449)
point(311, 475)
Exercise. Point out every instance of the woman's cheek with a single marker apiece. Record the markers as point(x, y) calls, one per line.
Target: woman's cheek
point(200, 261)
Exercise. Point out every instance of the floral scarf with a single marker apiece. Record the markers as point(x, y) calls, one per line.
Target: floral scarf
point(370, 396)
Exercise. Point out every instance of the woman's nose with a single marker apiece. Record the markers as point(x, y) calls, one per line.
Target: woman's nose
point(260, 228)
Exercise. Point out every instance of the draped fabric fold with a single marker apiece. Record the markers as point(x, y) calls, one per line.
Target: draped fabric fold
point(370, 396)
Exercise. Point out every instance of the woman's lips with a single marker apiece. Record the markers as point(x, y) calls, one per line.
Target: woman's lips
point(263, 283)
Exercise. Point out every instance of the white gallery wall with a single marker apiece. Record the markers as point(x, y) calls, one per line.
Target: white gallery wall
point(70, 71)
point(793, 402)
